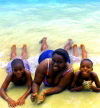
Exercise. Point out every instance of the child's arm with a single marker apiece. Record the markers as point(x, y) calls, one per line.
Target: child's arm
point(73, 85)
point(79, 88)
point(3, 88)
point(97, 82)
point(21, 100)
point(64, 82)
point(96, 79)
point(75, 79)
point(95, 88)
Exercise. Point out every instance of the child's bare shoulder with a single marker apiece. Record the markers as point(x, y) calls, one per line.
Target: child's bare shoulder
point(94, 74)
point(27, 72)
point(10, 74)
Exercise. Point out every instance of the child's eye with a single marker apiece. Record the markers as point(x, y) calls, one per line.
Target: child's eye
point(21, 69)
point(82, 66)
point(15, 70)
point(88, 67)
point(59, 62)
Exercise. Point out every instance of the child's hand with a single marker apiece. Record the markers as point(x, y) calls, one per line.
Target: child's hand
point(95, 89)
point(34, 96)
point(12, 103)
point(72, 90)
point(90, 84)
point(41, 98)
point(21, 101)
point(87, 84)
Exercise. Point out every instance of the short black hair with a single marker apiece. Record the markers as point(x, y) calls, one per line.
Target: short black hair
point(16, 62)
point(63, 53)
point(86, 59)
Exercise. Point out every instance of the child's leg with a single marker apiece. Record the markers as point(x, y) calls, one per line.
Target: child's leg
point(44, 45)
point(13, 52)
point(24, 52)
point(68, 45)
point(84, 53)
point(75, 51)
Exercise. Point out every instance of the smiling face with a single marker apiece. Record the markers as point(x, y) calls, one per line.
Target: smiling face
point(86, 67)
point(58, 63)
point(18, 67)
point(18, 70)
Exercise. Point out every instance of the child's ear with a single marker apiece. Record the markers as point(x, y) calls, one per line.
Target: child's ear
point(92, 69)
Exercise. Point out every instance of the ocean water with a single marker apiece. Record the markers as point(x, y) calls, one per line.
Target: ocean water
point(28, 21)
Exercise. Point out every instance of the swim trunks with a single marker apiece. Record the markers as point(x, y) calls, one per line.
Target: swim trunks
point(47, 54)
point(44, 55)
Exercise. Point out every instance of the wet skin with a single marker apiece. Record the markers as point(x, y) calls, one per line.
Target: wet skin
point(57, 66)
point(86, 74)
point(19, 76)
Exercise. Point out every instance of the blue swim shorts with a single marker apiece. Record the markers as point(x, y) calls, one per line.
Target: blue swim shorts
point(44, 55)
point(47, 54)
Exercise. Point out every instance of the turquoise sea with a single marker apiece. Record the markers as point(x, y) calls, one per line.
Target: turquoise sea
point(28, 21)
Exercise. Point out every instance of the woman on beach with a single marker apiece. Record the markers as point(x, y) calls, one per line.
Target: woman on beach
point(55, 72)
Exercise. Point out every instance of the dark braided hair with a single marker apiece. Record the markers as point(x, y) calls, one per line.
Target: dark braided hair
point(63, 53)
point(16, 62)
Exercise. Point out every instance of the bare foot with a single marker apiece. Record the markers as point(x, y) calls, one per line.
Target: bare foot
point(24, 46)
point(44, 45)
point(44, 39)
point(68, 45)
point(84, 52)
point(14, 47)
point(75, 50)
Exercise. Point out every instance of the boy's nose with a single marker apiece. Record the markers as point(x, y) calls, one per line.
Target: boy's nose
point(85, 68)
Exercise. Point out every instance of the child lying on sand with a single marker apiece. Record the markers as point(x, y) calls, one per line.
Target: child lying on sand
point(19, 74)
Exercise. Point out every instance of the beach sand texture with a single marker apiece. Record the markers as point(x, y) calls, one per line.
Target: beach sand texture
point(29, 23)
